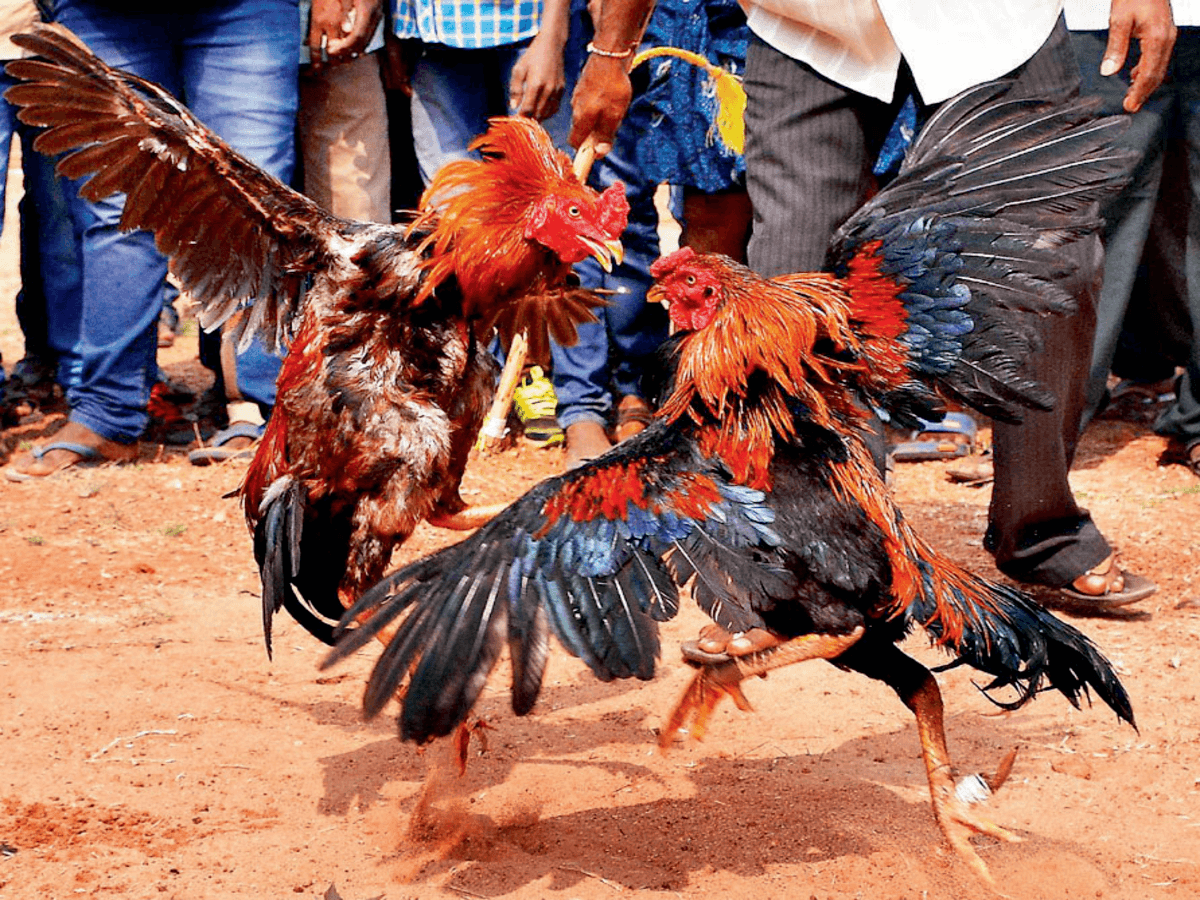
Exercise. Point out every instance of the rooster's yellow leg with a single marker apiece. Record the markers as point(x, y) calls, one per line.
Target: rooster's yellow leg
point(691, 714)
point(954, 815)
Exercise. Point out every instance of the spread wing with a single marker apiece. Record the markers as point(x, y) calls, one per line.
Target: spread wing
point(957, 258)
point(235, 235)
point(595, 555)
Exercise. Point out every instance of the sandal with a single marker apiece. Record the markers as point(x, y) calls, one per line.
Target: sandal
point(1186, 455)
point(88, 456)
point(951, 438)
point(973, 471)
point(633, 415)
point(1103, 587)
point(756, 639)
point(238, 441)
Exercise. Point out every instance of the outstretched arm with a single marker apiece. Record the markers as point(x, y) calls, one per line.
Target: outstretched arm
point(1150, 22)
point(602, 96)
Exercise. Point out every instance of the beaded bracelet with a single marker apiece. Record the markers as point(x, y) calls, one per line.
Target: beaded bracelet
point(611, 54)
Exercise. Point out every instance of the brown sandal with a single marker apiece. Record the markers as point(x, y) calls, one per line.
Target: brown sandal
point(1187, 455)
point(633, 415)
point(1106, 586)
point(718, 642)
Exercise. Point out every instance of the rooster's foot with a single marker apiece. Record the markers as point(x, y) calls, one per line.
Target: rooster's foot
point(461, 742)
point(958, 822)
point(692, 713)
point(466, 519)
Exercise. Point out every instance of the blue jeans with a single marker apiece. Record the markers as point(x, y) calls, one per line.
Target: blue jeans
point(48, 301)
point(235, 64)
point(608, 360)
point(8, 124)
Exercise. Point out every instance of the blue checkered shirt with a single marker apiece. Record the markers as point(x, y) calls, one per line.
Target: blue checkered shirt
point(467, 24)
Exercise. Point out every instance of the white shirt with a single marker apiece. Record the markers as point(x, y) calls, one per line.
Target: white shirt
point(15, 16)
point(1092, 15)
point(949, 44)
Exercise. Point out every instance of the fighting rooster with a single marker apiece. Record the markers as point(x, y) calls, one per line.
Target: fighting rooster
point(386, 380)
point(753, 483)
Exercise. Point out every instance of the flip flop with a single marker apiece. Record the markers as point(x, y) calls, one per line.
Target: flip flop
point(89, 456)
point(1136, 587)
point(694, 656)
point(217, 451)
point(950, 438)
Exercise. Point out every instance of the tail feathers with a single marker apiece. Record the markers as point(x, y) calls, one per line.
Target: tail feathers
point(1004, 632)
point(294, 575)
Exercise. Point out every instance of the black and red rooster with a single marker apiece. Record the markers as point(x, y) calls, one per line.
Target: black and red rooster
point(753, 484)
point(387, 378)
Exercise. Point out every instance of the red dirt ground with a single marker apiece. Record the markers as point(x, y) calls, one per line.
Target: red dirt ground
point(148, 747)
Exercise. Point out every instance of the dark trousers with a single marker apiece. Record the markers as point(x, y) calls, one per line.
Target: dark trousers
point(1171, 114)
point(810, 146)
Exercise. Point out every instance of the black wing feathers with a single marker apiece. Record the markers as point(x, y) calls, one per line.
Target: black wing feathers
point(989, 193)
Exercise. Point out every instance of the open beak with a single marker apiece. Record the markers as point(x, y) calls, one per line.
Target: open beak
point(608, 253)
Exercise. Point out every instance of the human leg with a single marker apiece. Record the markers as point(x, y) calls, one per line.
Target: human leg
point(717, 223)
point(1036, 530)
point(239, 69)
point(605, 365)
point(344, 139)
point(1127, 216)
point(1181, 421)
point(810, 145)
point(122, 274)
point(454, 92)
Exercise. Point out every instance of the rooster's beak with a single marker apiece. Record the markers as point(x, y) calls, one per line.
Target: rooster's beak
point(608, 253)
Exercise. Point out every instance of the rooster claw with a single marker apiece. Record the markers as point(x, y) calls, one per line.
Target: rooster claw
point(958, 823)
point(692, 713)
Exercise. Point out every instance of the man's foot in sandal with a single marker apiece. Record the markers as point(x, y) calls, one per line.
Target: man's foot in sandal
point(633, 415)
point(238, 441)
point(586, 440)
point(1101, 588)
point(72, 446)
point(715, 645)
point(1184, 454)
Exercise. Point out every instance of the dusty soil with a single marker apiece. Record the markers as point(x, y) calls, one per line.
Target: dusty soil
point(149, 748)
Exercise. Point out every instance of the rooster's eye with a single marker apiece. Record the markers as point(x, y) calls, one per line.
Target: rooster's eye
point(574, 211)
point(691, 280)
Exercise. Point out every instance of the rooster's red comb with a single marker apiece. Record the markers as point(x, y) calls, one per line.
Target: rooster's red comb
point(672, 261)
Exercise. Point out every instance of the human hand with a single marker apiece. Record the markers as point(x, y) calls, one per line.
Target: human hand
point(341, 29)
point(538, 81)
point(600, 102)
point(1150, 22)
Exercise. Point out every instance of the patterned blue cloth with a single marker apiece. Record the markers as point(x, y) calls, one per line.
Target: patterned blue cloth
point(679, 104)
point(467, 24)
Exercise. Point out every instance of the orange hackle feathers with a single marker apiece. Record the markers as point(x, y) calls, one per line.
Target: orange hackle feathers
point(767, 332)
point(477, 219)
